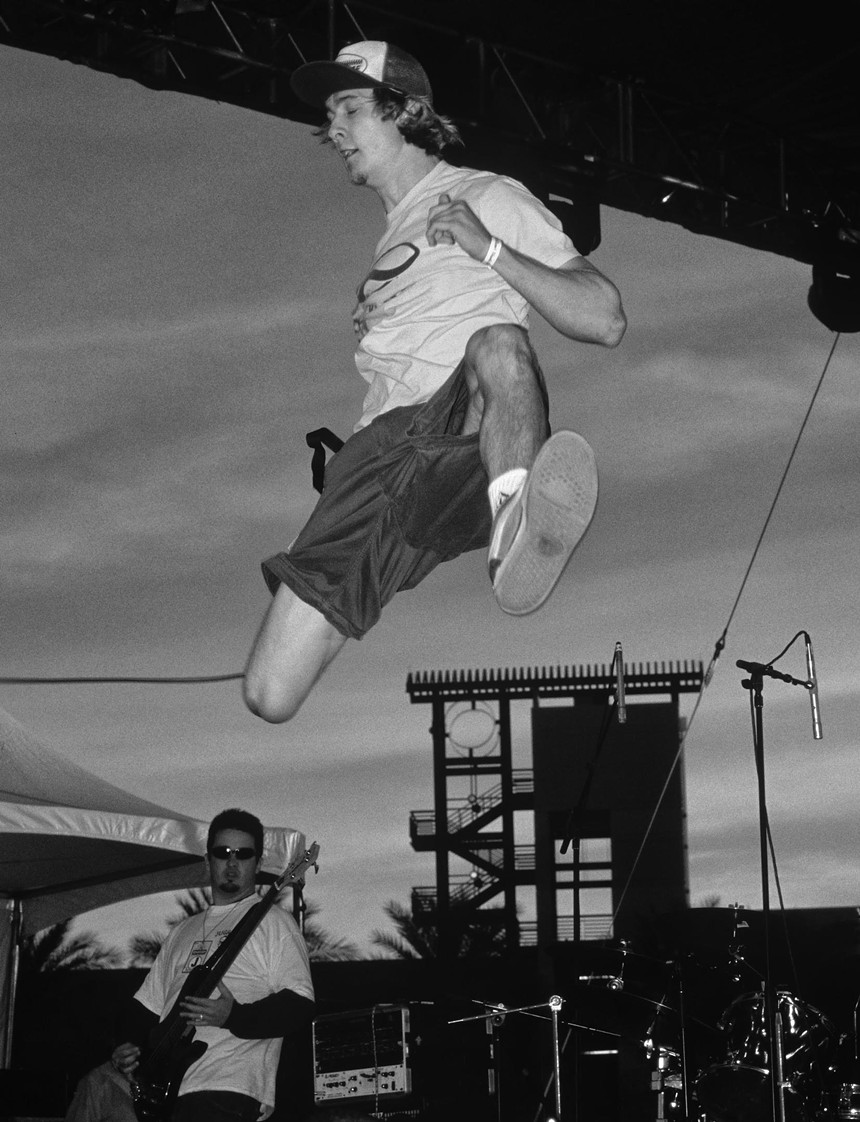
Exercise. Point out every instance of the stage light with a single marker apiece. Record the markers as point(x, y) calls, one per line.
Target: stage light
point(834, 299)
point(580, 215)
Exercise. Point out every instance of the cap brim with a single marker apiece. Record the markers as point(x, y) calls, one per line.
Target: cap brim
point(315, 82)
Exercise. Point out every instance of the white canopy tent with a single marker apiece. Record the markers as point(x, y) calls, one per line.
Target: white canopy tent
point(70, 842)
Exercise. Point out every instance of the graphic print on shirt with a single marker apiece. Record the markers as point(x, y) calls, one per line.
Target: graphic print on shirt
point(200, 949)
point(391, 264)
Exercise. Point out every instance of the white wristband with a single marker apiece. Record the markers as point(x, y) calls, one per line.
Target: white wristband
point(492, 256)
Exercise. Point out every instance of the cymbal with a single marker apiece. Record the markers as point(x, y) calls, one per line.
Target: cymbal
point(632, 1014)
point(623, 968)
point(621, 1013)
point(622, 951)
point(619, 997)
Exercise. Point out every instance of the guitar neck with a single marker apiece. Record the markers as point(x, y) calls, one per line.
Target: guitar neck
point(223, 957)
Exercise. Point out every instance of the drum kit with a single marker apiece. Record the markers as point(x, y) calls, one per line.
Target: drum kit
point(708, 1065)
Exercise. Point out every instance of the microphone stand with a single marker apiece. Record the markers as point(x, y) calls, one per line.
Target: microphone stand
point(773, 1035)
point(573, 831)
point(495, 1016)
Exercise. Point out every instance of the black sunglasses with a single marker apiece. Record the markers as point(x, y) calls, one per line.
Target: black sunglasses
point(243, 853)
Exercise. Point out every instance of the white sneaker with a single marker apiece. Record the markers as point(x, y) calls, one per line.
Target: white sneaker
point(537, 529)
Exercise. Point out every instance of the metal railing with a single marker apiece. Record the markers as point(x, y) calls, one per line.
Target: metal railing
point(463, 811)
point(592, 928)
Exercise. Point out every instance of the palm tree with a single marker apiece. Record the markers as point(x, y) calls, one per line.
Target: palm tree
point(411, 941)
point(144, 947)
point(190, 903)
point(322, 946)
point(474, 933)
point(53, 950)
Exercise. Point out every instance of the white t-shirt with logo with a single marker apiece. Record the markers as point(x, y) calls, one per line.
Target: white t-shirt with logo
point(274, 958)
point(420, 303)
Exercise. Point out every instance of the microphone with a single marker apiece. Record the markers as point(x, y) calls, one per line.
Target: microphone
point(813, 688)
point(619, 685)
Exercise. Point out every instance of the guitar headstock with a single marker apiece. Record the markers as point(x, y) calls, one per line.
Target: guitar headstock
point(296, 871)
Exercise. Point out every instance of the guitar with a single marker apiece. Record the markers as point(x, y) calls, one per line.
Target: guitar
point(155, 1083)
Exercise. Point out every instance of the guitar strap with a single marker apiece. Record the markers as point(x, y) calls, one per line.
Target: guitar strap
point(319, 440)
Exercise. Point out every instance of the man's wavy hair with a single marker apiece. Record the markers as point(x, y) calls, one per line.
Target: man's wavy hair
point(415, 117)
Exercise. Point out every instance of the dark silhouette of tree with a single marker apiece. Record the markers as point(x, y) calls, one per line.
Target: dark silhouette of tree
point(143, 948)
point(322, 945)
point(190, 903)
point(473, 933)
point(411, 941)
point(53, 950)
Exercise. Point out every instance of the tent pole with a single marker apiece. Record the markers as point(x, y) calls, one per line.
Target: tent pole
point(14, 959)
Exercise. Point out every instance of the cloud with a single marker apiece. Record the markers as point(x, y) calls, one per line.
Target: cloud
point(179, 279)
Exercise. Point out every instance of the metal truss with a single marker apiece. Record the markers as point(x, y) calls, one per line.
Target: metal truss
point(751, 169)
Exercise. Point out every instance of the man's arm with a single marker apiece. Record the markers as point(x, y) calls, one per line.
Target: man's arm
point(275, 1015)
point(575, 298)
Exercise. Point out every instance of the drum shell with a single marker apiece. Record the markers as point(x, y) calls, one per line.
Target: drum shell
point(848, 1102)
point(739, 1088)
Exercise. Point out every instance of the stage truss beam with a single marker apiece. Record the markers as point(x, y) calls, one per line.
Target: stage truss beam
point(748, 154)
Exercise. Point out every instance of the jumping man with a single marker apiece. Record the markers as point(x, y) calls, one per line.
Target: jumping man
point(456, 408)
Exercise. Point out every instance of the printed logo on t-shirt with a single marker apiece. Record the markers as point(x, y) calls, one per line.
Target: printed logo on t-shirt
point(200, 949)
point(390, 265)
point(197, 955)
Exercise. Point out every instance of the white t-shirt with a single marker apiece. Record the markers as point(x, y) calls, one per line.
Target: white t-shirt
point(421, 303)
point(274, 958)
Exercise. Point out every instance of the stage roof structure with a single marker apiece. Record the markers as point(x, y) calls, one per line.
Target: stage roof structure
point(738, 121)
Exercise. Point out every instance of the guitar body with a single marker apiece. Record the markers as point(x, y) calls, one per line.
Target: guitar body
point(154, 1093)
point(173, 1050)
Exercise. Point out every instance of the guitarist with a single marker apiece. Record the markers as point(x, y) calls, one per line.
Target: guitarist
point(265, 994)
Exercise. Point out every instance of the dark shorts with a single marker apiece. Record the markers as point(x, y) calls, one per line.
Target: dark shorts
point(402, 495)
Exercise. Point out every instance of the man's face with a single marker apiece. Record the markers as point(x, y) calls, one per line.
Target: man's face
point(366, 143)
point(232, 877)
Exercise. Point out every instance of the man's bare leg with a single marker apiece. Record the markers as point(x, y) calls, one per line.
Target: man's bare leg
point(508, 398)
point(543, 492)
point(293, 647)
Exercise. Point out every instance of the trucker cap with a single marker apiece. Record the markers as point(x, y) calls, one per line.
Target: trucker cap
point(369, 64)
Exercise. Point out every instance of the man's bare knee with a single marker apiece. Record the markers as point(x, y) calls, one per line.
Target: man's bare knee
point(294, 646)
point(496, 343)
point(501, 358)
point(268, 702)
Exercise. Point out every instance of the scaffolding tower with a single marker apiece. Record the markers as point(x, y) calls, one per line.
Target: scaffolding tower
point(477, 791)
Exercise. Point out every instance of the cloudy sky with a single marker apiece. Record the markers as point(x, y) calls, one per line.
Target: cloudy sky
point(177, 279)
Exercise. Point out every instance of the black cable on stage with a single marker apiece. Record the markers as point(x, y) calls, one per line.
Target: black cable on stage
point(94, 681)
point(721, 642)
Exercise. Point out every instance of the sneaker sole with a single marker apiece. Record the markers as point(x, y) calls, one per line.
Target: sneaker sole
point(559, 501)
